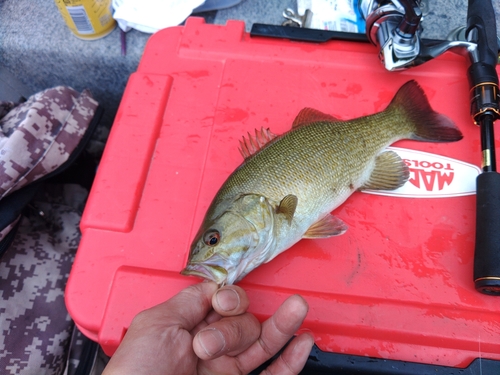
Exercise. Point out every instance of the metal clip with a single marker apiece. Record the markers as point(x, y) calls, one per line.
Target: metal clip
point(296, 20)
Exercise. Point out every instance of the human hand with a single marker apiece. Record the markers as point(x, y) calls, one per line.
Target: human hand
point(206, 330)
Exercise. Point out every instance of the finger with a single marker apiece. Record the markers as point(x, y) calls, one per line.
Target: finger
point(230, 300)
point(276, 331)
point(230, 335)
point(186, 309)
point(211, 317)
point(293, 358)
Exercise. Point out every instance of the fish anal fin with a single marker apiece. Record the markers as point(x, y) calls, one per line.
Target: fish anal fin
point(254, 143)
point(287, 207)
point(390, 173)
point(310, 115)
point(328, 226)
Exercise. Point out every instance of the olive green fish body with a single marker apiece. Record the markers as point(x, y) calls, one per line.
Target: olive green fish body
point(321, 163)
point(286, 190)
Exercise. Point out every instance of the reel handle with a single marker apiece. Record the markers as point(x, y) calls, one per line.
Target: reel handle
point(482, 30)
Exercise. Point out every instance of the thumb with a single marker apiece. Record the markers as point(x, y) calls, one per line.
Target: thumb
point(187, 308)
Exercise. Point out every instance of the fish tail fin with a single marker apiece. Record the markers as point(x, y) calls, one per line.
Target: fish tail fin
point(427, 124)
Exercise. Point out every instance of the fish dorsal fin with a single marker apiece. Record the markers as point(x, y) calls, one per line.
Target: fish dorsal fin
point(326, 227)
point(309, 115)
point(287, 207)
point(253, 143)
point(390, 173)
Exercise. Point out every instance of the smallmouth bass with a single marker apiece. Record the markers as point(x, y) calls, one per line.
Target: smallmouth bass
point(288, 185)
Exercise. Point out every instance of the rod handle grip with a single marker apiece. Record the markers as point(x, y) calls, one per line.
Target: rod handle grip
point(487, 250)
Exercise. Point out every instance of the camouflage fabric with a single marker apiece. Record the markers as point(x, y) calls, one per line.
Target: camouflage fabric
point(35, 327)
point(40, 134)
point(36, 138)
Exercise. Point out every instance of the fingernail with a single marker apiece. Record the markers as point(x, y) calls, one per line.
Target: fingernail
point(227, 299)
point(212, 341)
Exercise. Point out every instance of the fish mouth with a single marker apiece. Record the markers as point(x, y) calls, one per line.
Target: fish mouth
point(207, 271)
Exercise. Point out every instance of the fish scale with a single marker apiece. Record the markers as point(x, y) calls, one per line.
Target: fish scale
point(313, 162)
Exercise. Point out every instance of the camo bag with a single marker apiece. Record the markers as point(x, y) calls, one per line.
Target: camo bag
point(39, 225)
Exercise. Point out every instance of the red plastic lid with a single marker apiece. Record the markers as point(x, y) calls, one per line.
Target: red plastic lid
point(397, 285)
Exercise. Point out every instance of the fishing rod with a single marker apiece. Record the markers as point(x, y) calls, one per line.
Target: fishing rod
point(485, 102)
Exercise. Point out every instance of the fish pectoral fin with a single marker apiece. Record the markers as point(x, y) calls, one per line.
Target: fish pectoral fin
point(287, 207)
point(310, 115)
point(253, 143)
point(326, 227)
point(390, 173)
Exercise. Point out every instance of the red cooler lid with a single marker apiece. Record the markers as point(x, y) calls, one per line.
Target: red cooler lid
point(397, 285)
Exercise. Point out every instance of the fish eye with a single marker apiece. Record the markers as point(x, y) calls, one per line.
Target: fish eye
point(211, 237)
